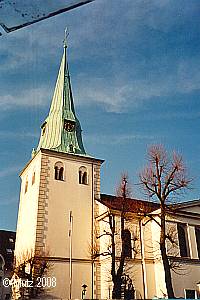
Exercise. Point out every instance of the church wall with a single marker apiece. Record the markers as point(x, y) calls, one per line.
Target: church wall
point(160, 286)
point(188, 277)
point(134, 270)
point(150, 279)
point(60, 270)
point(188, 269)
point(156, 281)
point(27, 215)
point(190, 224)
point(43, 221)
point(65, 196)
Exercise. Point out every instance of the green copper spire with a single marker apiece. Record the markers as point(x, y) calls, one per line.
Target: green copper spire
point(61, 130)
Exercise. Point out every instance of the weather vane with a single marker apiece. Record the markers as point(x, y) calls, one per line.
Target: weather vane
point(66, 36)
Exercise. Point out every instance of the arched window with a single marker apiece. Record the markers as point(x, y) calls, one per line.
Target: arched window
point(59, 171)
point(33, 178)
point(43, 127)
point(127, 243)
point(83, 177)
point(80, 176)
point(56, 173)
point(26, 185)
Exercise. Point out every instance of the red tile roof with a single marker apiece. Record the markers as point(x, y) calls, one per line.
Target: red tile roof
point(131, 205)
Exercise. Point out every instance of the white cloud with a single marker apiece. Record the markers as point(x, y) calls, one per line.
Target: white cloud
point(91, 35)
point(122, 95)
point(116, 138)
point(90, 25)
point(28, 98)
point(115, 95)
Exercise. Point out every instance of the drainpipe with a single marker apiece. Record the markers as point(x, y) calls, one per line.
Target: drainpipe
point(143, 261)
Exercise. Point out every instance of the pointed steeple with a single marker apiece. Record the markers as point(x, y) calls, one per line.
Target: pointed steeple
point(61, 130)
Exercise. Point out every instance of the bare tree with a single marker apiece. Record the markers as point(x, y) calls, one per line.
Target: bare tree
point(118, 260)
point(162, 179)
point(31, 268)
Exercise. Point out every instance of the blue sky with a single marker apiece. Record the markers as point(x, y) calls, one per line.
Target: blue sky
point(136, 81)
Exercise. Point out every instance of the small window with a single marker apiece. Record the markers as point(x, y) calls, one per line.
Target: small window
point(182, 237)
point(190, 294)
point(26, 186)
point(33, 178)
point(71, 148)
point(59, 171)
point(83, 177)
point(127, 243)
point(43, 130)
point(43, 127)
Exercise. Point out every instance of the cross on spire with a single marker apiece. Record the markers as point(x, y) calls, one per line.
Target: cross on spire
point(66, 36)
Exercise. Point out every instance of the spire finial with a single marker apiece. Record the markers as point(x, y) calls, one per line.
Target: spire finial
point(66, 36)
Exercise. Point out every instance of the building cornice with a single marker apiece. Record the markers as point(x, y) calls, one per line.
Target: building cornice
point(61, 155)
point(186, 260)
point(75, 157)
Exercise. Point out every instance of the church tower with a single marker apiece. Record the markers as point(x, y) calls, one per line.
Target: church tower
point(59, 186)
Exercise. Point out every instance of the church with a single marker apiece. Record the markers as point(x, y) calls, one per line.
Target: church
point(62, 211)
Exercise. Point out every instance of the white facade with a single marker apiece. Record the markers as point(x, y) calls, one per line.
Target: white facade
point(145, 267)
point(43, 221)
point(43, 227)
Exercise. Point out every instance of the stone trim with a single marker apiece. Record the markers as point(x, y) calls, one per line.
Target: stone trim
point(97, 265)
point(97, 280)
point(42, 216)
point(97, 182)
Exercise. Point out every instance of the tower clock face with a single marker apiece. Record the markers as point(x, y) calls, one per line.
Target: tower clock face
point(69, 126)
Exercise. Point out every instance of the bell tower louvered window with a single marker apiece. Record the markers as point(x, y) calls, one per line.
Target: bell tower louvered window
point(59, 171)
point(83, 175)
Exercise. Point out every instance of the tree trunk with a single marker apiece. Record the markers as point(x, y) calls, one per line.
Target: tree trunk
point(168, 278)
point(116, 294)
